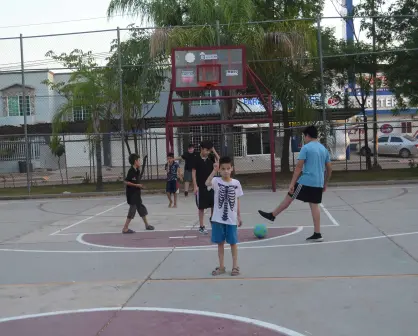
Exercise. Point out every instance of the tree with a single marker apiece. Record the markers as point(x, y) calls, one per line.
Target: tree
point(402, 70)
point(58, 150)
point(353, 66)
point(290, 41)
point(143, 78)
point(89, 88)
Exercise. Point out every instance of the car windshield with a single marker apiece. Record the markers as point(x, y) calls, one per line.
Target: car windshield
point(408, 137)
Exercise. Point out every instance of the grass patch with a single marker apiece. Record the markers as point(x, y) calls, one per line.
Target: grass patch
point(262, 179)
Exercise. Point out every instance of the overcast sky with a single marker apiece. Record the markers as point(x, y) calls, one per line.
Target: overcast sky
point(53, 17)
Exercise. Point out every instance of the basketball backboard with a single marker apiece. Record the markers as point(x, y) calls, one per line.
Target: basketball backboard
point(198, 68)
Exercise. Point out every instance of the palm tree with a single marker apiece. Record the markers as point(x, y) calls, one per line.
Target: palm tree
point(192, 23)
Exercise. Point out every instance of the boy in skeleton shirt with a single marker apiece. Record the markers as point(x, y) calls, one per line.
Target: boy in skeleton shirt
point(226, 212)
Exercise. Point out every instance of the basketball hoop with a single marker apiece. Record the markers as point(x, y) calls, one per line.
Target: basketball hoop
point(207, 84)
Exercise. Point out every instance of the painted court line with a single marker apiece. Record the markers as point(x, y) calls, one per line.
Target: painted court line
point(331, 218)
point(80, 240)
point(128, 250)
point(246, 320)
point(181, 237)
point(86, 219)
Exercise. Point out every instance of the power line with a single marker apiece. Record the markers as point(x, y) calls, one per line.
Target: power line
point(58, 22)
point(346, 17)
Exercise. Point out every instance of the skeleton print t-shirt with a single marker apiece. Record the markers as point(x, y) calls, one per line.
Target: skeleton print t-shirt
point(226, 200)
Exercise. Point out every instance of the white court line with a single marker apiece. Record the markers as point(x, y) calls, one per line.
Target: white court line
point(181, 237)
point(268, 226)
point(331, 218)
point(86, 219)
point(245, 320)
point(307, 244)
point(185, 229)
point(196, 247)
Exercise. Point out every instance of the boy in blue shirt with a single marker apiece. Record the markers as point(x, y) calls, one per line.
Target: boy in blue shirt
point(309, 181)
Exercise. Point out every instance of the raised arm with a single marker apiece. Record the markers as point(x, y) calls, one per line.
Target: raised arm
point(212, 175)
point(215, 153)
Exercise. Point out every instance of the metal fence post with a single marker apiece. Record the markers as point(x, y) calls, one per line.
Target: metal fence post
point(321, 69)
point(25, 121)
point(121, 112)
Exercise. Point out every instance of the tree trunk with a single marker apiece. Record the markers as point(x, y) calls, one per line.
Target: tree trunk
point(284, 160)
point(98, 145)
point(366, 141)
point(59, 167)
point(127, 144)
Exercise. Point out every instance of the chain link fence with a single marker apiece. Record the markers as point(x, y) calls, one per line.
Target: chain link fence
point(50, 136)
point(397, 148)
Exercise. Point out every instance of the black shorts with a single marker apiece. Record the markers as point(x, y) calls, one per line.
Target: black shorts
point(171, 187)
point(307, 194)
point(205, 198)
point(133, 208)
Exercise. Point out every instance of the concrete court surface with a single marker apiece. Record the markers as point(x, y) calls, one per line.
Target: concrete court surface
point(66, 269)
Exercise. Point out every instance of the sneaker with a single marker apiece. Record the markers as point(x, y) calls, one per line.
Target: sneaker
point(316, 237)
point(267, 215)
point(186, 193)
point(203, 230)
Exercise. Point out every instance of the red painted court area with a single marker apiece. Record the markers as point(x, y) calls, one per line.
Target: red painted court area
point(181, 238)
point(132, 323)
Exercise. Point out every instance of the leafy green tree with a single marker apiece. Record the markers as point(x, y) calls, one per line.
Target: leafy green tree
point(402, 69)
point(143, 79)
point(58, 150)
point(88, 87)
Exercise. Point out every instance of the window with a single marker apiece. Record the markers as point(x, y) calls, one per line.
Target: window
point(395, 139)
point(15, 106)
point(81, 113)
point(383, 140)
point(406, 127)
point(207, 93)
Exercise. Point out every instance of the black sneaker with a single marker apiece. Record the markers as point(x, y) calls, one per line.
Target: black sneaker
point(186, 193)
point(203, 230)
point(316, 237)
point(267, 215)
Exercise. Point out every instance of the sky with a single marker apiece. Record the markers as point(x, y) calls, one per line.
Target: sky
point(44, 17)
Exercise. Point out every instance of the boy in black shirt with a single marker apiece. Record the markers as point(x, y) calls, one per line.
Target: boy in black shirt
point(202, 168)
point(133, 195)
point(188, 157)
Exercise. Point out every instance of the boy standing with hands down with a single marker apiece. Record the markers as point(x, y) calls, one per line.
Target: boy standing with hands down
point(226, 213)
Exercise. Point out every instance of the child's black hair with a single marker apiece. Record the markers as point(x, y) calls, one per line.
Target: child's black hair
point(311, 131)
point(206, 144)
point(170, 155)
point(190, 146)
point(225, 159)
point(132, 158)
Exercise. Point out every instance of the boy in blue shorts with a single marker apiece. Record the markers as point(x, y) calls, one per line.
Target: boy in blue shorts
point(173, 173)
point(226, 212)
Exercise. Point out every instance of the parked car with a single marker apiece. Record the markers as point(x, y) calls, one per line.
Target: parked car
point(401, 145)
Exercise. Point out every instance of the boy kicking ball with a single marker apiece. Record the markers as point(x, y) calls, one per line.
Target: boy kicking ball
point(226, 212)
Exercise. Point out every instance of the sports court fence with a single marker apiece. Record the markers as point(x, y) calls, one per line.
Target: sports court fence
point(134, 103)
point(397, 148)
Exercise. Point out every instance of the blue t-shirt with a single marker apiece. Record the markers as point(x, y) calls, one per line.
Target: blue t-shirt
point(172, 171)
point(316, 156)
